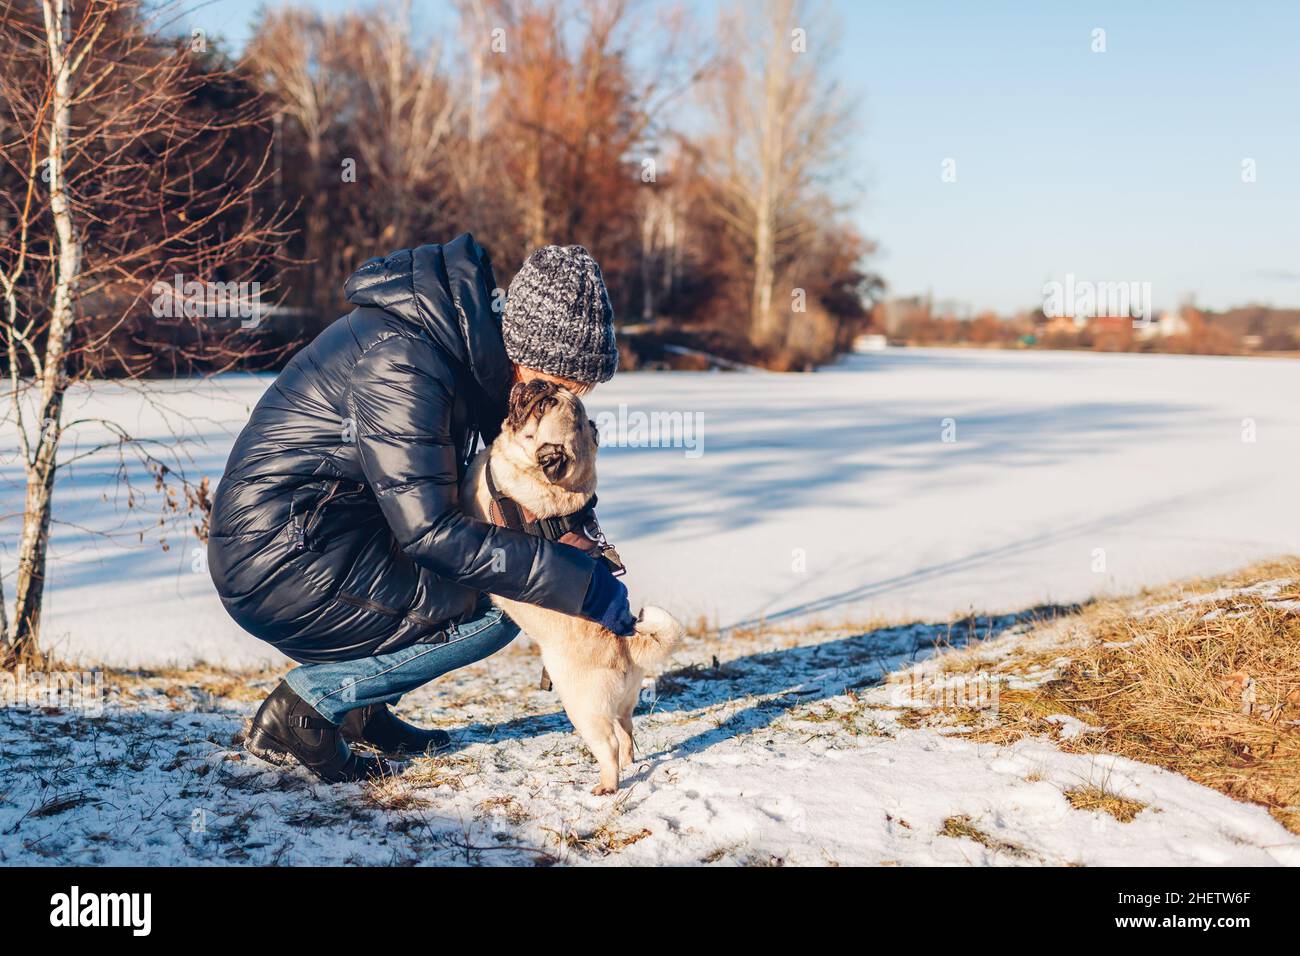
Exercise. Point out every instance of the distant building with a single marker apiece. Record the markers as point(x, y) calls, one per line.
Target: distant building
point(1059, 325)
point(870, 342)
point(1169, 323)
point(894, 315)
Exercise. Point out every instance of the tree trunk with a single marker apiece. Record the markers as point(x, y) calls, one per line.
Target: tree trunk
point(34, 542)
point(764, 331)
point(766, 325)
point(314, 226)
point(669, 251)
point(4, 622)
point(33, 545)
point(649, 225)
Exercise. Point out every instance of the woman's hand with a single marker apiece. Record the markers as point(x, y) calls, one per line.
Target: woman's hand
point(606, 603)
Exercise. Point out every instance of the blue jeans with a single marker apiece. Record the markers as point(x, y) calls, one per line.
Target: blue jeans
point(335, 688)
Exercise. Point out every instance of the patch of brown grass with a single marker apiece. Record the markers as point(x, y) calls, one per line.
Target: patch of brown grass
point(602, 841)
point(183, 684)
point(915, 718)
point(783, 633)
point(719, 853)
point(62, 803)
point(1208, 689)
point(507, 805)
point(1099, 798)
point(680, 679)
point(1019, 713)
point(961, 827)
point(447, 770)
point(1279, 568)
point(395, 795)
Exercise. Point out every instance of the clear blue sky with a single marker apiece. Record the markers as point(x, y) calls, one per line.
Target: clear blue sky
point(1119, 165)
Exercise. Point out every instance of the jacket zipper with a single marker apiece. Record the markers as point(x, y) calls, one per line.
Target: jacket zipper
point(303, 525)
point(368, 605)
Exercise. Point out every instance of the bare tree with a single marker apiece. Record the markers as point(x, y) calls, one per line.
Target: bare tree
point(476, 42)
point(369, 123)
point(777, 127)
point(297, 56)
point(116, 180)
point(399, 87)
point(534, 134)
point(660, 246)
point(571, 120)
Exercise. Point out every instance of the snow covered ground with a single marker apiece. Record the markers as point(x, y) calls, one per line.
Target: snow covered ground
point(757, 750)
point(831, 497)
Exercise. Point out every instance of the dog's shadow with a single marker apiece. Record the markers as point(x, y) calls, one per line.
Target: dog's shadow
point(768, 684)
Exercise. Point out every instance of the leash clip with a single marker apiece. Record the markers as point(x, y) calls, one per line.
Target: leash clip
point(607, 552)
point(610, 556)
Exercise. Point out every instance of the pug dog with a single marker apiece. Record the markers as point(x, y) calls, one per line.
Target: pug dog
point(543, 463)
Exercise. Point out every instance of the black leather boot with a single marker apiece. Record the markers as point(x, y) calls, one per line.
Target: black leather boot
point(287, 727)
point(379, 727)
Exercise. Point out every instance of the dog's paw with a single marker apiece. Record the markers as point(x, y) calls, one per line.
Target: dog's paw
point(601, 790)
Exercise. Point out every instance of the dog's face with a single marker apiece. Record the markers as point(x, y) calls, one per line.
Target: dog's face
point(549, 429)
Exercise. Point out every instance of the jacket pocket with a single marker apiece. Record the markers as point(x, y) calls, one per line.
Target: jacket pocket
point(308, 506)
point(366, 604)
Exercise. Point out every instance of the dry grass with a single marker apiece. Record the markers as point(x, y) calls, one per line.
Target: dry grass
point(1099, 798)
point(602, 841)
point(775, 635)
point(1209, 689)
point(915, 718)
point(394, 795)
point(444, 770)
point(505, 805)
point(856, 720)
point(719, 853)
point(962, 827)
point(186, 685)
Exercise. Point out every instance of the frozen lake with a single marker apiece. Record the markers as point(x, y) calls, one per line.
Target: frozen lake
point(919, 483)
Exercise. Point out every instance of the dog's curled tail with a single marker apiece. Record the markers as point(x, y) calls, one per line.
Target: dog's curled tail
point(656, 633)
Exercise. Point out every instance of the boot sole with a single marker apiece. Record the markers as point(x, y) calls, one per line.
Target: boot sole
point(274, 751)
point(265, 747)
point(402, 755)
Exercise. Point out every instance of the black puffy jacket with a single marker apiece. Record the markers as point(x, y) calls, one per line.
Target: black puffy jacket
point(336, 531)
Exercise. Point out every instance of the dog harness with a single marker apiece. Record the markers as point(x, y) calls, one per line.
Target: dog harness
point(579, 529)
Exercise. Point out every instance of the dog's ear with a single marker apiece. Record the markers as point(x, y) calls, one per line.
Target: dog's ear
point(517, 405)
point(554, 461)
point(526, 399)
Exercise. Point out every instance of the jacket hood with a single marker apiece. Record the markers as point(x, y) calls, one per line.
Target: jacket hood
point(448, 291)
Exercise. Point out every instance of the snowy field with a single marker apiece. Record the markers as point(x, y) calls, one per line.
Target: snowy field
point(824, 504)
point(830, 497)
point(756, 750)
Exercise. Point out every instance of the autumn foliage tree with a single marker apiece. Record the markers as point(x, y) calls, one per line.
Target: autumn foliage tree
point(572, 121)
point(777, 126)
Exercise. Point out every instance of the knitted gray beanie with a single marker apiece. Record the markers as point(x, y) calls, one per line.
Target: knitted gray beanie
point(558, 318)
